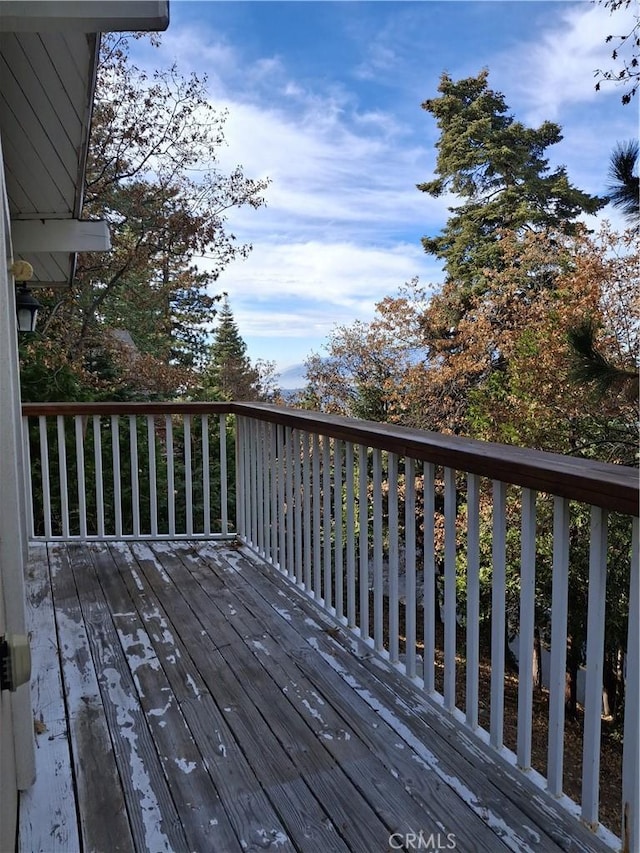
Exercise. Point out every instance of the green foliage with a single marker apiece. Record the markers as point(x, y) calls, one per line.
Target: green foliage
point(229, 374)
point(624, 181)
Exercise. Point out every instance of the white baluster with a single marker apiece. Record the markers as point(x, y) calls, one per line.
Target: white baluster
point(450, 609)
point(526, 628)
point(378, 599)
point(62, 465)
point(498, 601)
point(97, 454)
point(429, 606)
point(557, 677)
point(473, 599)
point(153, 474)
point(595, 654)
point(394, 559)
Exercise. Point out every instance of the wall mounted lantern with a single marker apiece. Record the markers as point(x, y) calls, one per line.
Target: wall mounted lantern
point(26, 304)
point(26, 308)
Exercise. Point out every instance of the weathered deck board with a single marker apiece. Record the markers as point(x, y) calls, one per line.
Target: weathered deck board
point(291, 797)
point(203, 818)
point(99, 795)
point(305, 700)
point(519, 813)
point(152, 813)
point(48, 816)
point(214, 708)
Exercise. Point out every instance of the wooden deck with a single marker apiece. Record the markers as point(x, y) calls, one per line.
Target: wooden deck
point(187, 698)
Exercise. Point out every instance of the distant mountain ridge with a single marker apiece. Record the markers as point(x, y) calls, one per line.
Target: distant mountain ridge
point(293, 378)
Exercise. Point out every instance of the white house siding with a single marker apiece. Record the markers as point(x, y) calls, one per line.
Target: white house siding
point(17, 767)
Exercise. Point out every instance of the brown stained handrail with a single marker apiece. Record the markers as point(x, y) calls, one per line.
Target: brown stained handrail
point(612, 487)
point(117, 408)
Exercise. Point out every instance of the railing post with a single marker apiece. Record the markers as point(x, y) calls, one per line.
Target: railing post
point(188, 479)
point(337, 504)
point(316, 515)
point(82, 486)
point(394, 560)
point(153, 475)
point(28, 480)
point(290, 490)
point(135, 483)
point(351, 534)
point(595, 651)
point(378, 603)
point(280, 500)
point(171, 494)
point(46, 480)
point(363, 565)
point(296, 452)
point(62, 473)
point(97, 455)
point(306, 511)
point(117, 493)
point(327, 568)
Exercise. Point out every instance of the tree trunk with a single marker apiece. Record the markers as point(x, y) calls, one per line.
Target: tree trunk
point(537, 660)
point(571, 682)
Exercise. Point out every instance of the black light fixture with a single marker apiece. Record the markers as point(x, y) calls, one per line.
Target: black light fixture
point(26, 308)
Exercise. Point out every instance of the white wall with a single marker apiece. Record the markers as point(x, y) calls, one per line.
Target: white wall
point(17, 765)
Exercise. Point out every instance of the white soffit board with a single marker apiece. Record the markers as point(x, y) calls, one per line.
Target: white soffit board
point(59, 235)
point(89, 16)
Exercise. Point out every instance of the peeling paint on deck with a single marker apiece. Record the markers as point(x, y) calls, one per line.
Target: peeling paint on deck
point(429, 761)
point(126, 706)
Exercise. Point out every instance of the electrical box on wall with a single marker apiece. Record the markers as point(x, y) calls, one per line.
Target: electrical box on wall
point(15, 661)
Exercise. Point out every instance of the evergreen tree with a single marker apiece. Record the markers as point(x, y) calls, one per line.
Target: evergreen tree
point(497, 167)
point(229, 374)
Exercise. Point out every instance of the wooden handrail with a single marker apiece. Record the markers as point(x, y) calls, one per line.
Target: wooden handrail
point(117, 408)
point(612, 487)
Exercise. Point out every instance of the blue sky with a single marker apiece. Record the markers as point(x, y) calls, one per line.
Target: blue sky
point(324, 99)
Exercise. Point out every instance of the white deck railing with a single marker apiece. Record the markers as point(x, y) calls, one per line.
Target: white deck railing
point(127, 471)
point(408, 539)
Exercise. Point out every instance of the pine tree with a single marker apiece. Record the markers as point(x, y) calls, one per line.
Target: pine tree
point(624, 180)
point(229, 374)
point(497, 167)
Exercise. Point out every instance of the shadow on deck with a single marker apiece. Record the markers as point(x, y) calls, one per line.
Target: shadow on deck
point(189, 698)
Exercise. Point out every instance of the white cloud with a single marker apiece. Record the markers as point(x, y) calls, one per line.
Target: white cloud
point(287, 297)
point(558, 67)
point(330, 273)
